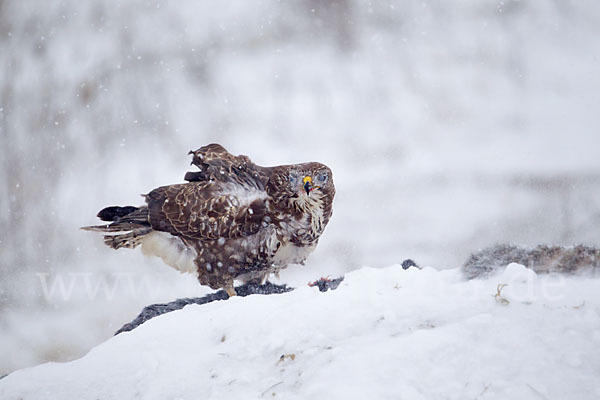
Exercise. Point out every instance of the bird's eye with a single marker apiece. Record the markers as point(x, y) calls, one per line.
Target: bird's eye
point(322, 178)
point(293, 180)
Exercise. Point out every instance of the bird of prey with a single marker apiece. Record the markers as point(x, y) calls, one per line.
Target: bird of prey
point(232, 220)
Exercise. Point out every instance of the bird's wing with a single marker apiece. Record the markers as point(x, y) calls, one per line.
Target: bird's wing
point(217, 164)
point(207, 210)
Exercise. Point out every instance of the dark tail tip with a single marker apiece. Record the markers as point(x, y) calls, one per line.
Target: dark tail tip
point(113, 213)
point(194, 176)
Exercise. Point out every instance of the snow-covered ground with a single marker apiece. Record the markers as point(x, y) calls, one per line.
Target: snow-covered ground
point(384, 333)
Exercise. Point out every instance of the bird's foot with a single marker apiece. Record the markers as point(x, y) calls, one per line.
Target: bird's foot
point(230, 291)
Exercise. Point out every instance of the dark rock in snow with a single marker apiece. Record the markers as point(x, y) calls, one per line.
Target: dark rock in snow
point(406, 264)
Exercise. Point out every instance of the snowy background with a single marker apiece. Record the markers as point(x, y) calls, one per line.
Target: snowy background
point(449, 126)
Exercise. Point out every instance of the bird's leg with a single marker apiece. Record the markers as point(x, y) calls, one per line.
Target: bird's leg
point(265, 278)
point(259, 280)
point(230, 289)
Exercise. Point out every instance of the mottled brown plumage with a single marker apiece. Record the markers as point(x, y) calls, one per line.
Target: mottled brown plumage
point(232, 220)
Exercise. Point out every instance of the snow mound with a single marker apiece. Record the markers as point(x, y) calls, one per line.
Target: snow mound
point(384, 333)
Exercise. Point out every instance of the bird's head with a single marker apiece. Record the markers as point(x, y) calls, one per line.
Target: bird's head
point(302, 183)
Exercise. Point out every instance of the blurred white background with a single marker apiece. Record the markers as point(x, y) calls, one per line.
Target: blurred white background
point(449, 126)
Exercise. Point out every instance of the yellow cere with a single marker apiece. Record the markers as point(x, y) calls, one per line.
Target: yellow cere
point(307, 179)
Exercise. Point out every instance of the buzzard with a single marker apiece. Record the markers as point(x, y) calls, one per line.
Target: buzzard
point(232, 220)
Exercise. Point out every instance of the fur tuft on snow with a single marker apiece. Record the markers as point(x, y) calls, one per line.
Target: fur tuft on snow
point(541, 259)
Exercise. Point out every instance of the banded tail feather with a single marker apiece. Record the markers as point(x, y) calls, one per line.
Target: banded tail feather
point(127, 228)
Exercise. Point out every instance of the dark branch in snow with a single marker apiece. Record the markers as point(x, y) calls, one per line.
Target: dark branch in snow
point(248, 289)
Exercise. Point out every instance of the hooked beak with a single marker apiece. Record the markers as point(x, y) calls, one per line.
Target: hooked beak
point(307, 184)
